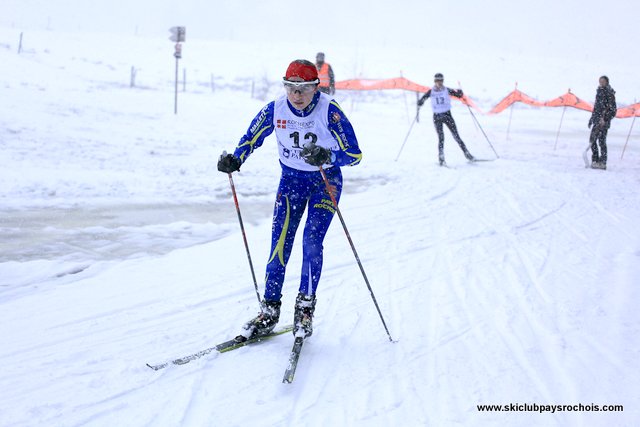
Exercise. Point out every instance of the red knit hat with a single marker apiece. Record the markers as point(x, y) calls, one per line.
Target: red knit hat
point(302, 68)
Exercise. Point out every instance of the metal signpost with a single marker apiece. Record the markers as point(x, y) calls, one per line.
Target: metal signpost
point(177, 35)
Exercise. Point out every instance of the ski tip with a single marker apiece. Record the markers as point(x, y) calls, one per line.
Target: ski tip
point(157, 367)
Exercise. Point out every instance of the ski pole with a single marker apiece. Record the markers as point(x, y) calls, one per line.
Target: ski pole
point(559, 127)
point(244, 236)
point(475, 125)
point(628, 136)
point(353, 248)
point(485, 135)
point(585, 155)
point(407, 137)
point(475, 120)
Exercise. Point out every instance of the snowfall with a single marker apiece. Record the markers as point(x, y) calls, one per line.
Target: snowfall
point(507, 281)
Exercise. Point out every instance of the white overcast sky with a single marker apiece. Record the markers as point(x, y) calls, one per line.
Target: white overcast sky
point(571, 28)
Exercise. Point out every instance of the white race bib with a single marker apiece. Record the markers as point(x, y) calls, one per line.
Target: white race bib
point(293, 132)
point(440, 100)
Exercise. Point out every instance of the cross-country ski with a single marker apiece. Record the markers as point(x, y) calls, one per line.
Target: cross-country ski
point(290, 372)
point(223, 347)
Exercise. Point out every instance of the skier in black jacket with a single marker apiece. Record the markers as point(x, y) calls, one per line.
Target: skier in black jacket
point(441, 105)
point(604, 110)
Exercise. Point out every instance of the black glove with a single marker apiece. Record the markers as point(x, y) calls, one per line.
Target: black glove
point(461, 93)
point(590, 122)
point(420, 102)
point(315, 155)
point(228, 163)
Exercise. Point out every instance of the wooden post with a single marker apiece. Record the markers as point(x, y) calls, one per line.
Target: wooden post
point(20, 44)
point(511, 115)
point(132, 83)
point(212, 84)
point(406, 104)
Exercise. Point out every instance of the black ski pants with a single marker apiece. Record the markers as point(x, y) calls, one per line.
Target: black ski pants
point(446, 118)
point(599, 137)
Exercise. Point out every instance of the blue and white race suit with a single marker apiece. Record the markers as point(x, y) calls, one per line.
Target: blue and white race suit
point(301, 185)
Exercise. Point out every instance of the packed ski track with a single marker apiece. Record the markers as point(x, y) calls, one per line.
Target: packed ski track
point(506, 281)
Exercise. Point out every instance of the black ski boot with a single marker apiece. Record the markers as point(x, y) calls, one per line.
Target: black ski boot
point(264, 322)
point(303, 315)
point(469, 156)
point(598, 165)
point(441, 160)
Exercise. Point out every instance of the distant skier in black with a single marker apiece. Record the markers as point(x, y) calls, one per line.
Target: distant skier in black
point(441, 105)
point(604, 110)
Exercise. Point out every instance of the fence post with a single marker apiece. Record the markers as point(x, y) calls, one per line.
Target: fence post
point(20, 44)
point(132, 83)
point(510, 115)
point(212, 84)
point(406, 104)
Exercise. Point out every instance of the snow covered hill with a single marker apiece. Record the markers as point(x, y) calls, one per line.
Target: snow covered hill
point(512, 281)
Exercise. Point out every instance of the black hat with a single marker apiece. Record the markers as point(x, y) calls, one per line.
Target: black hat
point(606, 78)
point(438, 76)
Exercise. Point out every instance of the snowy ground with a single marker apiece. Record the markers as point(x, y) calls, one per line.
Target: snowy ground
point(503, 282)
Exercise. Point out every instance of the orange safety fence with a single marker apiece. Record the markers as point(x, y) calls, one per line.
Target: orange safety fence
point(371, 84)
point(630, 111)
point(566, 100)
point(513, 97)
point(395, 83)
point(569, 100)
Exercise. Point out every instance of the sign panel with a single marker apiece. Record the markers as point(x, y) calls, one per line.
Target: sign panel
point(178, 34)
